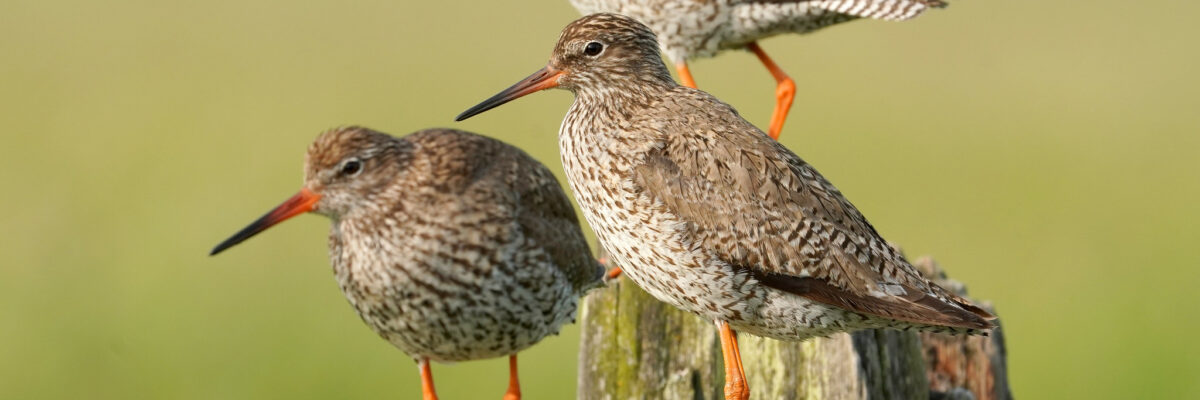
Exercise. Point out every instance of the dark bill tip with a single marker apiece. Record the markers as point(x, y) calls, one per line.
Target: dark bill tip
point(543, 79)
point(300, 203)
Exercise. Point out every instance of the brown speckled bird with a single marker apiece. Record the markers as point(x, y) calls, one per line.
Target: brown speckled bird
point(450, 245)
point(689, 29)
point(707, 213)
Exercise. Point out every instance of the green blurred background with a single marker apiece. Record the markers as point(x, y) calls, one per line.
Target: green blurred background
point(1045, 152)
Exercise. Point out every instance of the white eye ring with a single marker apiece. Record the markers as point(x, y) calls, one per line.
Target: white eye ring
point(351, 167)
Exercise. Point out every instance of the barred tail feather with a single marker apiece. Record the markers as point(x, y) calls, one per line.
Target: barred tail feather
point(889, 10)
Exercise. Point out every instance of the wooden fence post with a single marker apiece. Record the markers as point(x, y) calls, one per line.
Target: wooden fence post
point(635, 347)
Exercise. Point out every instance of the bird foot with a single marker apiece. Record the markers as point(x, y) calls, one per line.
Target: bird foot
point(737, 391)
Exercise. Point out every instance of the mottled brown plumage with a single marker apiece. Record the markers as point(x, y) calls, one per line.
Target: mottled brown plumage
point(450, 245)
point(706, 212)
point(689, 29)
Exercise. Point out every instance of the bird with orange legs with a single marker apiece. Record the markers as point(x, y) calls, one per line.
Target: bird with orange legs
point(449, 245)
point(707, 213)
point(690, 29)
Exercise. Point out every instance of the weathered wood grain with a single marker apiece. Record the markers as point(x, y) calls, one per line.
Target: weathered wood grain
point(635, 347)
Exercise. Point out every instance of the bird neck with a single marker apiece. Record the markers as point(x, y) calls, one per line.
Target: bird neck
point(621, 98)
point(597, 129)
point(604, 108)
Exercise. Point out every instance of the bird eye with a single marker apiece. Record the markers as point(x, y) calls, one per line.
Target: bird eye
point(593, 48)
point(351, 167)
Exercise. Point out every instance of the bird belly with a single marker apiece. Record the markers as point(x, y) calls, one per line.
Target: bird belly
point(653, 249)
point(786, 316)
point(753, 21)
point(456, 318)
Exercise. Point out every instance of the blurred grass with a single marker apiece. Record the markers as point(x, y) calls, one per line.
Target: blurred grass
point(1046, 153)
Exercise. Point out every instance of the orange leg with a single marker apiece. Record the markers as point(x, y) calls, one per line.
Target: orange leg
point(685, 74)
point(514, 385)
point(613, 273)
point(737, 348)
point(785, 91)
point(427, 392)
point(735, 378)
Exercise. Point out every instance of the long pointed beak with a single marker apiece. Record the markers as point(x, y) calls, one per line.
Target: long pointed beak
point(543, 79)
point(300, 203)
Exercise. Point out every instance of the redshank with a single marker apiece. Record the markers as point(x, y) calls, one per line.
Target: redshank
point(689, 29)
point(707, 213)
point(450, 245)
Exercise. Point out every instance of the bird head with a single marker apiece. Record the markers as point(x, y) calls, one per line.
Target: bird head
point(598, 53)
point(344, 171)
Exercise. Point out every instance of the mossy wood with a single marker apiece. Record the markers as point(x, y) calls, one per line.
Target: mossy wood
point(635, 347)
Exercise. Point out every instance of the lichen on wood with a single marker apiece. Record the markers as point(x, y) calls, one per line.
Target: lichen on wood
point(635, 347)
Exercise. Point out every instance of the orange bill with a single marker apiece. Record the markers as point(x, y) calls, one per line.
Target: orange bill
point(300, 203)
point(543, 79)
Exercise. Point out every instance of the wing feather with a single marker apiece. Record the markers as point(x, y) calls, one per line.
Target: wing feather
point(890, 10)
point(758, 206)
point(536, 201)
